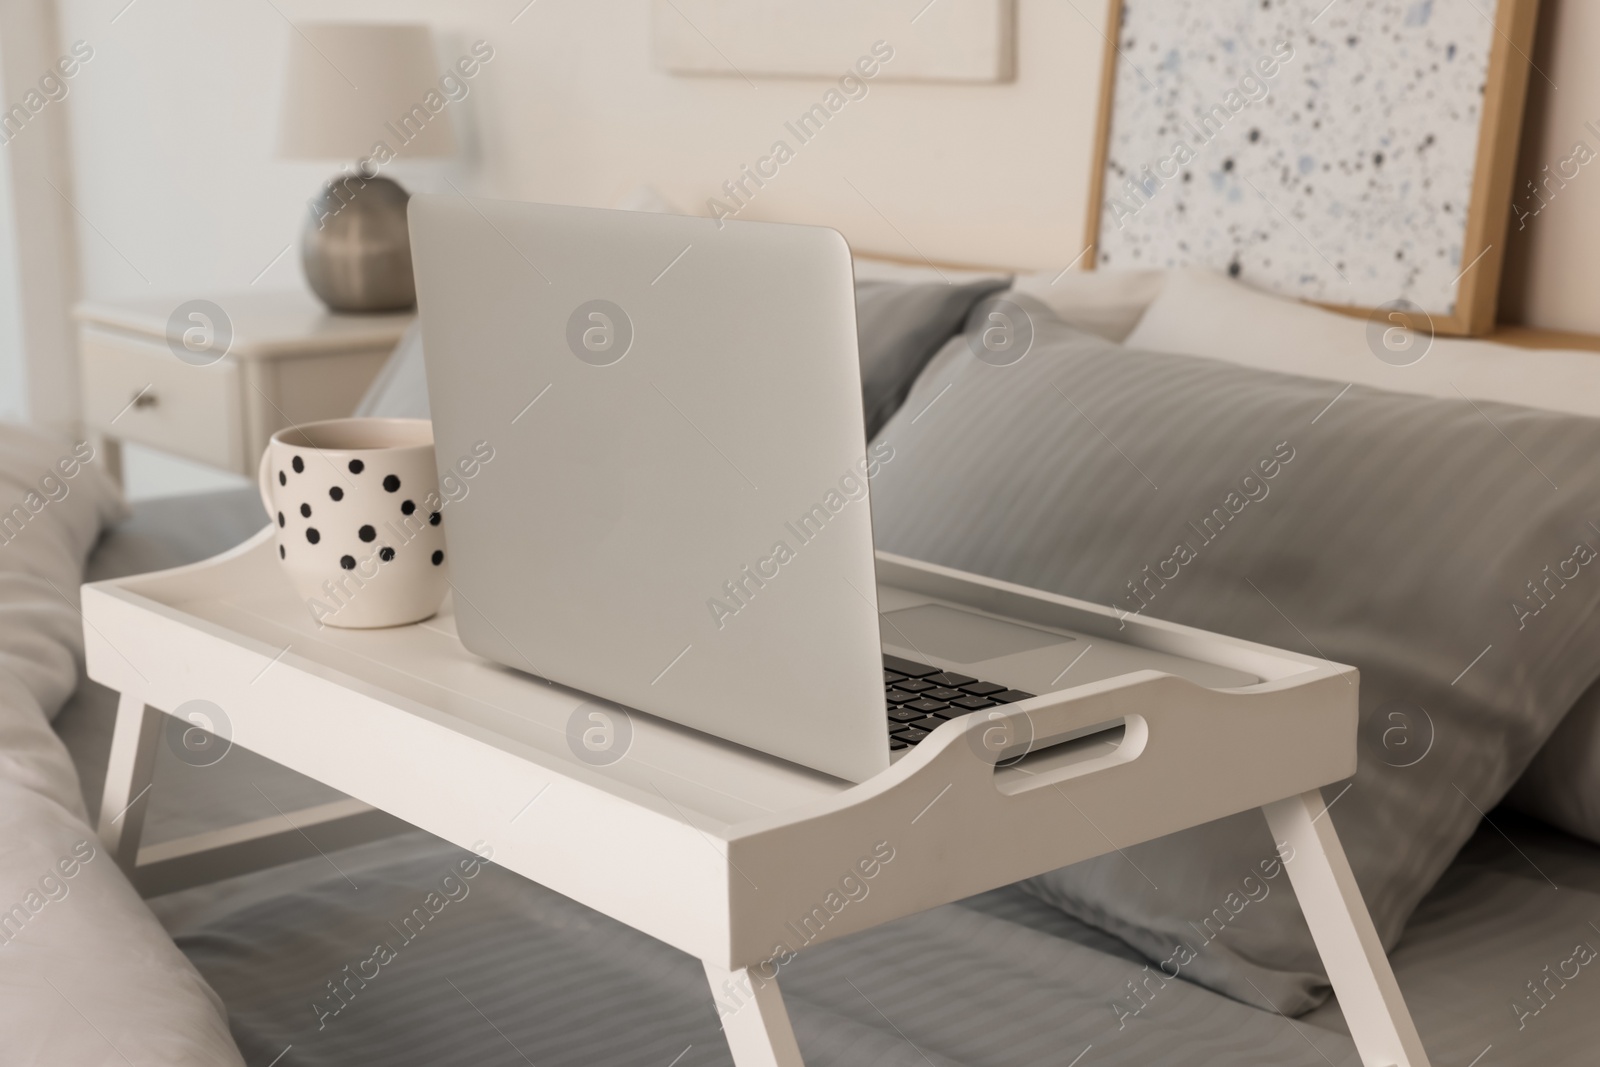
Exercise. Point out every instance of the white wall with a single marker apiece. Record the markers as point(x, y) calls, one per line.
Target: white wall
point(173, 127)
point(173, 122)
point(172, 131)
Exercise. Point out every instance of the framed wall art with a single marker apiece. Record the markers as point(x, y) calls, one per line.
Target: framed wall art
point(1355, 153)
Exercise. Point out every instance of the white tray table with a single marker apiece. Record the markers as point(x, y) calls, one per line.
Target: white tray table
point(735, 846)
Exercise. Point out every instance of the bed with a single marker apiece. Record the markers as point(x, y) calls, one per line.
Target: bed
point(509, 972)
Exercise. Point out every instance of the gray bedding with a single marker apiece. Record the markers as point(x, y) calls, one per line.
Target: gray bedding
point(1387, 531)
point(511, 973)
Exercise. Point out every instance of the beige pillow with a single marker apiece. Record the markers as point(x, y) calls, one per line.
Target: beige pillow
point(1202, 314)
point(1104, 302)
point(870, 268)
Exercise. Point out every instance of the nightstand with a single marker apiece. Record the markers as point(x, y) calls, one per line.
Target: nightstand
point(174, 375)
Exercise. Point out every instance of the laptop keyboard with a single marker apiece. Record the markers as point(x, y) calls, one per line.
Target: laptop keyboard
point(920, 697)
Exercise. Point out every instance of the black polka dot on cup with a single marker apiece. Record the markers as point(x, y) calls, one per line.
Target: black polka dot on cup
point(367, 533)
point(283, 479)
point(347, 562)
point(280, 518)
point(281, 552)
point(391, 483)
point(299, 465)
point(438, 557)
point(336, 493)
point(312, 535)
point(408, 507)
point(386, 553)
point(433, 519)
point(305, 511)
point(356, 466)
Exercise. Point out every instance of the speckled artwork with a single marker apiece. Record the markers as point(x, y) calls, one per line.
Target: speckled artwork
point(1323, 152)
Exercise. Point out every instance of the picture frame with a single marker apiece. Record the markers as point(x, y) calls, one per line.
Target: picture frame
point(1295, 199)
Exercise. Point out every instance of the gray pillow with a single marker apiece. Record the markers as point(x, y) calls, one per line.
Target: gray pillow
point(1393, 532)
point(1562, 784)
point(900, 327)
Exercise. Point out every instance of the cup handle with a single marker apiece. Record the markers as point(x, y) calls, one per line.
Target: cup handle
point(261, 480)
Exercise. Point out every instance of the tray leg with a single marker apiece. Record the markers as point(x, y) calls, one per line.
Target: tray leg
point(754, 1018)
point(129, 773)
point(1369, 996)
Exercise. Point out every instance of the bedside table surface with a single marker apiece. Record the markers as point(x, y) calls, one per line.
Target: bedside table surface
point(265, 324)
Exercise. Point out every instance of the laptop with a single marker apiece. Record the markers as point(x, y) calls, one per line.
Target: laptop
point(676, 517)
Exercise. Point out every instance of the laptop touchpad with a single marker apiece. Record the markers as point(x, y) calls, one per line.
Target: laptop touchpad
point(960, 636)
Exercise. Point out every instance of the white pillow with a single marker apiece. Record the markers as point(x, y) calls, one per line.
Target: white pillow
point(1202, 314)
point(76, 942)
point(1104, 302)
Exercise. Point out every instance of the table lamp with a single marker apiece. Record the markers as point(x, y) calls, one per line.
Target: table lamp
point(361, 93)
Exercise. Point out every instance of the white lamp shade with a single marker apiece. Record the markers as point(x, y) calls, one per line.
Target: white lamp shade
point(350, 86)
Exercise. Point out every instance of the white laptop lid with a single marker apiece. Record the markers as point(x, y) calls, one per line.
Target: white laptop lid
point(675, 517)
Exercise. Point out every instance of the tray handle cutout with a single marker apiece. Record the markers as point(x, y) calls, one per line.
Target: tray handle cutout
point(1036, 748)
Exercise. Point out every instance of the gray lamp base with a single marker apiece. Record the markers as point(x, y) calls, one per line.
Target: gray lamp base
point(356, 249)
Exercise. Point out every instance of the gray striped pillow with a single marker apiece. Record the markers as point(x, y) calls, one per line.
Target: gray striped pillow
point(901, 326)
point(1446, 548)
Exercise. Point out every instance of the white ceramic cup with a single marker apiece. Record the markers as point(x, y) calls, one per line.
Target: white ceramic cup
point(355, 504)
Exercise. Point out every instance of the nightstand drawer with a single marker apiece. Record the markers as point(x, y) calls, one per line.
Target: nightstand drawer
point(288, 361)
point(180, 408)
